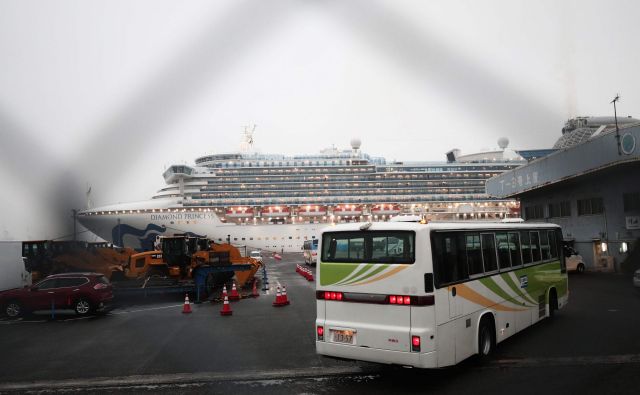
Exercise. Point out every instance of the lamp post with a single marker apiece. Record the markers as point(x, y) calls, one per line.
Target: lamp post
point(615, 116)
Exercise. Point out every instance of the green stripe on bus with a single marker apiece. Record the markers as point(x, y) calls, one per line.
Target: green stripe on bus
point(507, 279)
point(331, 273)
point(358, 272)
point(496, 289)
point(373, 273)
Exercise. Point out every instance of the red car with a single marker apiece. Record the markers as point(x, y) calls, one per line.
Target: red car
point(82, 292)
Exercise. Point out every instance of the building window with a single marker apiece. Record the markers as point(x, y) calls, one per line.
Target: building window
point(590, 206)
point(631, 201)
point(561, 209)
point(533, 212)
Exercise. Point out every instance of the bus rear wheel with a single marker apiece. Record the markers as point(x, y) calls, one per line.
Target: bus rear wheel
point(486, 338)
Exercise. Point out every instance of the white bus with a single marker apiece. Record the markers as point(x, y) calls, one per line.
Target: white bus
point(432, 295)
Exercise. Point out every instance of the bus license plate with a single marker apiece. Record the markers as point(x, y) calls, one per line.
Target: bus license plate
point(342, 336)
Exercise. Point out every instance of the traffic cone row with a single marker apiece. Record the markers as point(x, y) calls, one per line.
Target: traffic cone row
point(304, 272)
point(186, 309)
point(281, 297)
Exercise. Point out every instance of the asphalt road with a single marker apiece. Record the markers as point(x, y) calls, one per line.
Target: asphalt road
point(149, 346)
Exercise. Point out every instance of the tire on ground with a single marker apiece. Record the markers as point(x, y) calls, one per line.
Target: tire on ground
point(486, 337)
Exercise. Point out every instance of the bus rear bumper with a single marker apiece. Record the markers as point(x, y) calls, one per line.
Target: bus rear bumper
point(418, 360)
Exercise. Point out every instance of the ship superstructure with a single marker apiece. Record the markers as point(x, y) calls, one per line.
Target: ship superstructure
point(275, 202)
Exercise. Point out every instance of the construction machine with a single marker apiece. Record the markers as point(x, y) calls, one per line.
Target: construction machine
point(178, 257)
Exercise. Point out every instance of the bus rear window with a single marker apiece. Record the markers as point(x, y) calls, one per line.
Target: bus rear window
point(369, 247)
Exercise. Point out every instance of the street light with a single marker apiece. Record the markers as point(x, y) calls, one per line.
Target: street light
point(615, 116)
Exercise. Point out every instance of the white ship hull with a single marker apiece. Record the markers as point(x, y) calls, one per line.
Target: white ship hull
point(140, 230)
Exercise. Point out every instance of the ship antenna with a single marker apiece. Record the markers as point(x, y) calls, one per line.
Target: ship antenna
point(247, 138)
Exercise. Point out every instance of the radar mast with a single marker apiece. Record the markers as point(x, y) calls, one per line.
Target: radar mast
point(246, 143)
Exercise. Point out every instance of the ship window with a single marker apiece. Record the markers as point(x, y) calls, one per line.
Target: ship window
point(235, 239)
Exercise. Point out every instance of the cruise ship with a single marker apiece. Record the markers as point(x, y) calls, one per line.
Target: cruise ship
point(276, 202)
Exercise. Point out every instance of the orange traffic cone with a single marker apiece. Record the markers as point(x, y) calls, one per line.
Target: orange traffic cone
point(285, 300)
point(234, 295)
point(278, 301)
point(186, 309)
point(254, 291)
point(226, 307)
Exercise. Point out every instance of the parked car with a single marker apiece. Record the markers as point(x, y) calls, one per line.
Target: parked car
point(257, 255)
point(574, 261)
point(83, 292)
point(636, 279)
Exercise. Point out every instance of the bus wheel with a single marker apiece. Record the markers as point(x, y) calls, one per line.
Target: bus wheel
point(486, 338)
point(553, 303)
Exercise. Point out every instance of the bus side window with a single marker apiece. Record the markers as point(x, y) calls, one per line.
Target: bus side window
point(514, 248)
point(544, 245)
point(474, 255)
point(535, 246)
point(450, 257)
point(553, 243)
point(489, 252)
point(526, 247)
point(503, 251)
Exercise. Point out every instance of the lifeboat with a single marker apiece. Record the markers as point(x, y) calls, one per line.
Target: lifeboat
point(275, 211)
point(385, 209)
point(347, 210)
point(312, 211)
point(239, 212)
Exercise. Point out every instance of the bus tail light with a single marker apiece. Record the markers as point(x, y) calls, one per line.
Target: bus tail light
point(404, 300)
point(326, 295)
point(415, 343)
point(320, 332)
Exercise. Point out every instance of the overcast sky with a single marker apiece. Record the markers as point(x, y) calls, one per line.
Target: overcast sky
point(108, 93)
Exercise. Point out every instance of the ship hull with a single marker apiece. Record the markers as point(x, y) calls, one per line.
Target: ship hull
point(139, 231)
